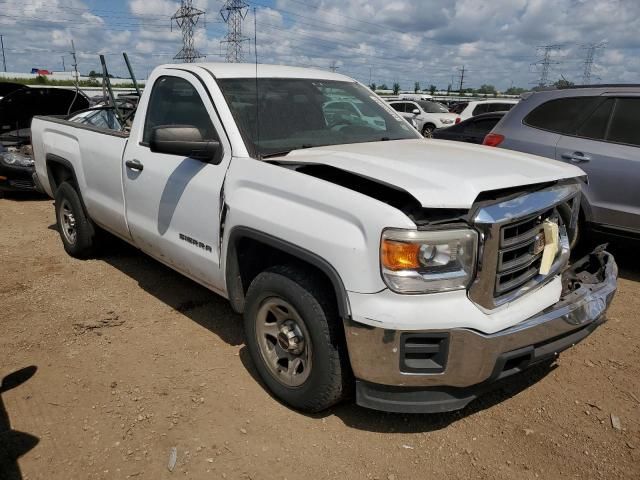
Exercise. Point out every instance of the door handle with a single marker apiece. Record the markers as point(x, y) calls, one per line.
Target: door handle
point(576, 157)
point(134, 165)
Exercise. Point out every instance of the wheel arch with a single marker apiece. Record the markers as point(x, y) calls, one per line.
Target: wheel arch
point(59, 170)
point(250, 251)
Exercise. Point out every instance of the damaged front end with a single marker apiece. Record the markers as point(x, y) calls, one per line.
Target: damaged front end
point(473, 362)
point(593, 273)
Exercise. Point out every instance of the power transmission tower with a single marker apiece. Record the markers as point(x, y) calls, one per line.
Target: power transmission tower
point(591, 49)
point(233, 12)
point(186, 18)
point(461, 79)
point(546, 62)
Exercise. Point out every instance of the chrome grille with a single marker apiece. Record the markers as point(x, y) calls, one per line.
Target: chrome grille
point(508, 266)
point(517, 260)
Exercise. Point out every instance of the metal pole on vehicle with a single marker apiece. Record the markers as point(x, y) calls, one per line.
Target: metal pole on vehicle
point(4, 61)
point(112, 98)
point(133, 77)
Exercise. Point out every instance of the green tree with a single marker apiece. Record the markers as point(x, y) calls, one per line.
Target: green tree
point(432, 89)
point(487, 89)
point(563, 83)
point(384, 87)
point(416, 87)
point(396, 88)
point(373, 87)
point(515, 91)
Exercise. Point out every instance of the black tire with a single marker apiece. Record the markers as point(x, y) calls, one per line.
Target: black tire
point(427, 130)
point(329, 377)
point(81, 244)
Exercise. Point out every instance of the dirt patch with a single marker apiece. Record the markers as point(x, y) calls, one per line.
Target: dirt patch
point(132, 369)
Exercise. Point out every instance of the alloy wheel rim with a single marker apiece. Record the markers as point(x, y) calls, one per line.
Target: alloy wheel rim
point(68, 222)
point(284, 342)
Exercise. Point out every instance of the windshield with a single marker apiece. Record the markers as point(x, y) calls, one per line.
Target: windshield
point(433, 107)
point(304, 113)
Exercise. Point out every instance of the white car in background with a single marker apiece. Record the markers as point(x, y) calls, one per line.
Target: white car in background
point(426, 116)
point(474, 108)
point(415, 96)
point(349, 113)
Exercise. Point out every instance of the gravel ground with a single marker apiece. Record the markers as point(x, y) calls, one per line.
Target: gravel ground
point(111, 364)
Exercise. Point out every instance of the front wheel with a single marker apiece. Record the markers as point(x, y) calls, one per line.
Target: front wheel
point(295, 339)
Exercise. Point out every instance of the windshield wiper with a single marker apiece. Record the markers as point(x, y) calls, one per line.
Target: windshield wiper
point(276, 154)
point(286, 152)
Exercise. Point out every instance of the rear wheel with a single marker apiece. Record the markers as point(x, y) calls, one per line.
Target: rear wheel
point(427, 130)
point(76, 229)
point(295, 339)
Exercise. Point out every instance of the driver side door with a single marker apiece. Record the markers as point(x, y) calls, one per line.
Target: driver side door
point(173, 202)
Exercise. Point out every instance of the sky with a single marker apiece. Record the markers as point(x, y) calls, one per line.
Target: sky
point(380, 41)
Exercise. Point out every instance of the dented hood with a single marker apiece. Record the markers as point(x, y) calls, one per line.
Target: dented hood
point(438, 173)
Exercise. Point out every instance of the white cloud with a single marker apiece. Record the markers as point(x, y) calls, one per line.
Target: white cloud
point(385, 40)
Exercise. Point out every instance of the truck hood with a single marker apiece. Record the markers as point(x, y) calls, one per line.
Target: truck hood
point(438, 173)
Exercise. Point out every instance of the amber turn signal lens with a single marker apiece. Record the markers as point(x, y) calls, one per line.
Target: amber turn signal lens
point(399, 255)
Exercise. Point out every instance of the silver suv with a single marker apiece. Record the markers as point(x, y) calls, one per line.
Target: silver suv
point(595, 127)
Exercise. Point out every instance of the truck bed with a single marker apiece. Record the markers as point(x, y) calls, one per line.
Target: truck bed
point(94, 154)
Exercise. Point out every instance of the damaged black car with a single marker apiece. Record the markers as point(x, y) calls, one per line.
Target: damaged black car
point(18, 105)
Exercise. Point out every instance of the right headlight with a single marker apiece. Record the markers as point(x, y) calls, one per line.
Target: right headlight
point(415, 261)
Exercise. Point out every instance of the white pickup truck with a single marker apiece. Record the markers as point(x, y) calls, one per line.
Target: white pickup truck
point(361, 256)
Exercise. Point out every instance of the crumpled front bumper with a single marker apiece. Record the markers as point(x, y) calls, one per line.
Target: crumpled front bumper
point(465, 361)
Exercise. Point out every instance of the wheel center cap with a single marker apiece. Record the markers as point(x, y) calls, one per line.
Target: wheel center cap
point(289, 340)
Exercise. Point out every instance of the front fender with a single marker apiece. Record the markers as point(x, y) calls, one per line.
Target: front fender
point(336, 224)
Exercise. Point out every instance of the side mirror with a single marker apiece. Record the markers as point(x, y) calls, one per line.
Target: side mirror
point(416, 111)
point(183, 140)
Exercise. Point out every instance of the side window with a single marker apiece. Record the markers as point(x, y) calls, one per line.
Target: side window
point(398, 107)
point(625, 124)
point(411, 107)
point(174, 101)
point(561, 115)
point(480, 108)
point(595, 126)
point(500, 107)
point(484, 126)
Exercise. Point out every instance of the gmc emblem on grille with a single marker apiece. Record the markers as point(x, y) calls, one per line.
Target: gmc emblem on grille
point(539, 243)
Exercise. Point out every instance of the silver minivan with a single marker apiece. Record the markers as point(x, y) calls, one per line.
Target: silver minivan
point(596, 128)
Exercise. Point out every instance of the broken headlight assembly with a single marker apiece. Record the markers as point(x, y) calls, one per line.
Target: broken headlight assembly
point(16, 159)
point(428, 261)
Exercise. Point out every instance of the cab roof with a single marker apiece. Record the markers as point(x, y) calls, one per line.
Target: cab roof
point(248, 70)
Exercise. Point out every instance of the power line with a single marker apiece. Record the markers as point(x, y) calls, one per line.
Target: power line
point(588, 62)
point(4, 60)
point(461, 79)
point(186, 18)
point(233, 12)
